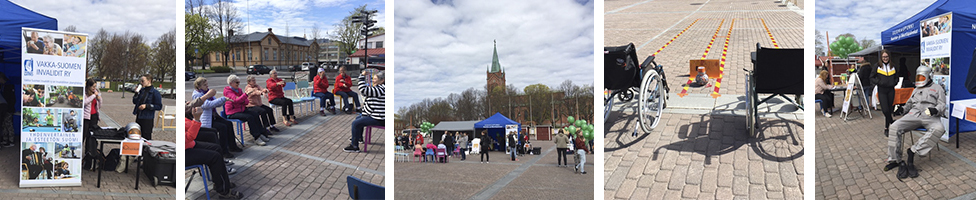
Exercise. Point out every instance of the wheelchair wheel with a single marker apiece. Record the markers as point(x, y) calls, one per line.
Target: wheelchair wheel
point(627, 95)
point(652, 100)
point(750, 106)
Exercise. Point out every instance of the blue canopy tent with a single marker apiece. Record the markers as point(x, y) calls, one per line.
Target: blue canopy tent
point(14, 17)
point(905, 37)
point(495, 125)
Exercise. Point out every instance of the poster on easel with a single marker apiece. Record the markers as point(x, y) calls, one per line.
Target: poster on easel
point(854, 91)
point(53, 69)
point(935, 49)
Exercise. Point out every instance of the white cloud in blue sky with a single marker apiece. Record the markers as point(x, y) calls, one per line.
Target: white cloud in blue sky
point(446, 47)
point(299, 16)
point(864, 18)
point(151, 18)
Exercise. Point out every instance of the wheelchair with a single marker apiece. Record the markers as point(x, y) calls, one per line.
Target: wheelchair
point(624, 79)
point(775, 71)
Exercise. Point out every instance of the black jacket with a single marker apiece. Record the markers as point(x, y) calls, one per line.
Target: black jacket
point(512, 142)
point(485, 143)
point(884, 80)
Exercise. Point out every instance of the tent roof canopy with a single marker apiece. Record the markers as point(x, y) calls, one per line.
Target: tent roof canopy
point(455, 126)
point(13, 18)
point(868, 51)
point(495, 121)
point(906, 32)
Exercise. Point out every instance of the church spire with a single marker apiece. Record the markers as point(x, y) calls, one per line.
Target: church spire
point(495, 66)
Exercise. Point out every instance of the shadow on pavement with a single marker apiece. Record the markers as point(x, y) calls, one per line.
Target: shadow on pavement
point(624, 138)
point(777, 139)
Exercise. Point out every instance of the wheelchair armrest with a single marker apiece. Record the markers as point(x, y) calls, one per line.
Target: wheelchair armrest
point(647, 62)
point(753, 56)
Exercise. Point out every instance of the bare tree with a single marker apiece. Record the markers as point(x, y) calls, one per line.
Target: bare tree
point(164, 56)
point(316, 35)
point(224, 17)
point(70, 28)
point(96, 49)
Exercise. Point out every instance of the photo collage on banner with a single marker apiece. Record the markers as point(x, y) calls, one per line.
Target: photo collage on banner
point(935, 49)
point(53, 70)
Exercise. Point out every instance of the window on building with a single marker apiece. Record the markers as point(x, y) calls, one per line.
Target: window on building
point(265, 54)
point(274, 56)
point(379, 44)
point(238, 55)
point(250, 55)
point(217, 55)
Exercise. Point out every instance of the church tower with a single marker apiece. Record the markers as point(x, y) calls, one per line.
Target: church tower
point(496, 75)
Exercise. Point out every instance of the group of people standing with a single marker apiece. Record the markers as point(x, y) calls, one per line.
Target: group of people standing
point(580, 145)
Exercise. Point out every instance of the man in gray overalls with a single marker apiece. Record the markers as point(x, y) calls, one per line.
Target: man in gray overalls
point(925, 109)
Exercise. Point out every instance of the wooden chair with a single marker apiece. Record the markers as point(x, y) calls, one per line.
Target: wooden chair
point(168, 114)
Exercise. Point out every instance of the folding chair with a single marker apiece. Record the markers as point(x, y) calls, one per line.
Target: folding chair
point(204, 173)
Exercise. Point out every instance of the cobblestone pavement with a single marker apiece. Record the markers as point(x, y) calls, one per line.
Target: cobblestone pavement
point(700, 150)
point(114, 185)
point(850, 155)
point(531, 177)
point(305, 161)
point(691, 156)
point(651, 25)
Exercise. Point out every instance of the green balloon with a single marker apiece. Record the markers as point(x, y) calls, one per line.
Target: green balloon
point(582, 120)
point(570, 119)
point(590, 127)
point(572, 129)
point(589, 136)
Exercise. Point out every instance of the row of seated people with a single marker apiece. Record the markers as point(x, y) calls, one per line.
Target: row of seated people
point(247, 106)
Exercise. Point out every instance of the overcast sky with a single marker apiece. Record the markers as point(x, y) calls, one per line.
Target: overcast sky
point(150, 18)
point(446, 48)
point(299, 16)
point(864, 18)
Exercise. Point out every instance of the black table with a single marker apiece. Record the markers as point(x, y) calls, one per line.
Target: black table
point(101, 146)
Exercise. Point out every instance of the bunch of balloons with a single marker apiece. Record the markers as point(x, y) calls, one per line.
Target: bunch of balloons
point(580, 125)
point(426, 126)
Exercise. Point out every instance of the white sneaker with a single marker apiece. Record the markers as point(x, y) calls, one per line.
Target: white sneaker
point(828, 114)
point(259, 142)
point(265, 138)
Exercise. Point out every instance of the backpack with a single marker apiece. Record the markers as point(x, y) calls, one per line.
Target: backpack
point(112, 160)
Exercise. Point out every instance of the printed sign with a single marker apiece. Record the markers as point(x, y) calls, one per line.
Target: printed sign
point(53, 70)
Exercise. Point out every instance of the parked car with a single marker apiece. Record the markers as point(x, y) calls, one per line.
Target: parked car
point(258, 69)
point(190, 75)
point(306, 65)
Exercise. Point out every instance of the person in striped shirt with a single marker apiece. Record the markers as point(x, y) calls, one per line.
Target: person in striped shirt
point(374, 111)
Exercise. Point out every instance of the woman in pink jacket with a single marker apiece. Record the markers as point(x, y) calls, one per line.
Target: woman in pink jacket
point(235, 108)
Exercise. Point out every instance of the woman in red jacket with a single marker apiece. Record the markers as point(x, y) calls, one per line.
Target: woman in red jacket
point(204, 153)
point(276, 96)
point(342, 87)
point(321, 90)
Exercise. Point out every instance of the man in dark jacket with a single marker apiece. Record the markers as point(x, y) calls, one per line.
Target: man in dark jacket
point(449, 142)
point(485, 146)
point(147, 101)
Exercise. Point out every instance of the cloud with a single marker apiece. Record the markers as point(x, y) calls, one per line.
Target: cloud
point(151, 18)
point(297, 17)
point(446, 47)
point(866, 18)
